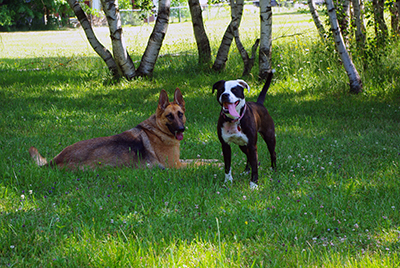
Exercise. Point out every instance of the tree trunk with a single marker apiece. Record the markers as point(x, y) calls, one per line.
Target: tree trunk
point(344, 22)
point(121, 55)
point(317, 20)
point(398, 13)
point(223, 51)
point(394, 19)
point(203, 44)
point(265, 38)
point(156, 38)
point(235, 29)
point(360, 25)
point(354, 77)
point(381, 29)
point(94, 42)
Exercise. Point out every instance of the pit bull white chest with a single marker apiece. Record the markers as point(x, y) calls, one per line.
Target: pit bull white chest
point(240, 121)
point(232, 133)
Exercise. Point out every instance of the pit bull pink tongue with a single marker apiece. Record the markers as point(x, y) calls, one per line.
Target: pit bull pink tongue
point(232, 110)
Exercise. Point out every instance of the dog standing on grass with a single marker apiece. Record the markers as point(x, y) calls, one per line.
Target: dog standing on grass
point(239, 122)
point(153, 143)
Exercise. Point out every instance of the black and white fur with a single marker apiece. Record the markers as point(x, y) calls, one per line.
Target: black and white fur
point(241, 127)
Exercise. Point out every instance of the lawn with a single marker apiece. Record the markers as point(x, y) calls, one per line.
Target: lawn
point(333, 201)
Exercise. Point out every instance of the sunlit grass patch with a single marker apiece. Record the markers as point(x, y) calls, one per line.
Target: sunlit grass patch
point(333, 200)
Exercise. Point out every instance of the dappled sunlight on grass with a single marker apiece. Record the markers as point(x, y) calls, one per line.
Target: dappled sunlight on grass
point(333, 200)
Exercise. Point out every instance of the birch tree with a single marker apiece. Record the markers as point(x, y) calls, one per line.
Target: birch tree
point(381, 29)
point(394, 17)
point(157, 36)
point(344, 22)
point(203, 44)
point(354, 77)
point(398, 14)
point(265, 38)
point(223, 50)
point(247, 62)
point(121, 55)
point(103, 52)
point(317, 21)
point(360, 25)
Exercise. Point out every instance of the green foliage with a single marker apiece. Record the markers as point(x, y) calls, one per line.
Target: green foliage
point(332, 202)
point(6, 16)
point(21, 14)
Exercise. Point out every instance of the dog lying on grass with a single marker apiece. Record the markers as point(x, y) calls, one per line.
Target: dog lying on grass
point(153, 143)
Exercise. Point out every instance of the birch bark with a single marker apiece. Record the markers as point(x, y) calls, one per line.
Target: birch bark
point(265, 38)
point(154, 44)
point(235, 29)
point(398, 14)
point(317, 21)
point(394, 19)
point(121, 56)
point(223, 51)
point(93, 41)
point(354, 77)
point(360, 25)
point(344, 22)
point(203, 44)
point(381, 29)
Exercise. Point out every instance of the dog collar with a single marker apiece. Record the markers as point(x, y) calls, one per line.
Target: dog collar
point(237, 119)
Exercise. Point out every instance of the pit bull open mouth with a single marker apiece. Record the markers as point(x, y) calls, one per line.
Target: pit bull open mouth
point(230, 108)
point(243, 129)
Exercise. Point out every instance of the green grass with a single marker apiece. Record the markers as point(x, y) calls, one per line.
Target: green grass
point(333, 201)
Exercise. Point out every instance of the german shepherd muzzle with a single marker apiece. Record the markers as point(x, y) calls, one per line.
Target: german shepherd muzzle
point(239, 122)
point(153, 143)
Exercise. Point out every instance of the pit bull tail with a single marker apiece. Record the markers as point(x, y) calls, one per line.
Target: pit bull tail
point(264, 90)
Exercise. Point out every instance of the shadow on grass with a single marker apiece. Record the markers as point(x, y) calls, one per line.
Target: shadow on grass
point(337, 159)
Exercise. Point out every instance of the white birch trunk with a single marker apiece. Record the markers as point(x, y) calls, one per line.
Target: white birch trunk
point(235, 29)
point(265, 38)
point(354, 77)
point(381, 29)
point(93, 41)
point(223, 51)
point(154, 44)
point(398, 13)
point(317, 21)
point(394, 19)
point(203, 44)
point(124, 61)
point(345, 21)
point(360, 25)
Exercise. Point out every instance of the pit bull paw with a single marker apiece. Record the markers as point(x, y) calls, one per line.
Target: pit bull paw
point(253, 186)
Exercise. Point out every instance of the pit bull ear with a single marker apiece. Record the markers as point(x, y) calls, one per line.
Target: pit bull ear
point(178, 98)
point(244, 84)
point(163, 101)
point(218, 85)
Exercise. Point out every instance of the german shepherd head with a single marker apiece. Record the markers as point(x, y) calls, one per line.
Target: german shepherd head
point(170, 116)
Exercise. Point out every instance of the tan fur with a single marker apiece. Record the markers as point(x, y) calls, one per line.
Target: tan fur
point(151, 143)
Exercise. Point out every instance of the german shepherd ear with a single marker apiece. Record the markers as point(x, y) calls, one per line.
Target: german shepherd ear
point(163, 101)
point(218, 85)
point(178, 98)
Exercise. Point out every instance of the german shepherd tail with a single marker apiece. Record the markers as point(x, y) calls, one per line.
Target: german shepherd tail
point(264, 90)
point(39, 160)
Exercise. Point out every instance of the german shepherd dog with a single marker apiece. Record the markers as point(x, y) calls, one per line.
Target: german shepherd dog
point(153, 143)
